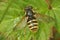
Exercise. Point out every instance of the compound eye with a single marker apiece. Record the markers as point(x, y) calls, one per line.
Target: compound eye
point(28, 8)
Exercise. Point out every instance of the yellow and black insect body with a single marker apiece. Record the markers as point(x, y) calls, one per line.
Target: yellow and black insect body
point(31, 21)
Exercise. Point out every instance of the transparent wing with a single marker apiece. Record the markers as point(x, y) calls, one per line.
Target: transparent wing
point(43, 18)
point(21, 24)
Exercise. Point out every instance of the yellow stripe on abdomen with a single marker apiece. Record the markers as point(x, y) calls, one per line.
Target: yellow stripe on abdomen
point(33, 25)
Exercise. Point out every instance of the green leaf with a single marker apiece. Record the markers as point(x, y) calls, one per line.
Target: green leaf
point(12, 11)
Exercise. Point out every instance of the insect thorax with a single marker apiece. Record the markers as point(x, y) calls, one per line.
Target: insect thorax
point(30, 14)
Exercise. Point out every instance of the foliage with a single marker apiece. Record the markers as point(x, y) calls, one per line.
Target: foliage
point(11, 12)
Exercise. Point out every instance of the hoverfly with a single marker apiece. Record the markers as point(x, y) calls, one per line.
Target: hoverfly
point(31, 19)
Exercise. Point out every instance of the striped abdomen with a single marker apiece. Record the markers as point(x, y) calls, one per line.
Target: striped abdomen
point(33, 25)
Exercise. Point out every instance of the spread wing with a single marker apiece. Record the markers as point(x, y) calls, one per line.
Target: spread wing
point(43, 18)
point(21, 24)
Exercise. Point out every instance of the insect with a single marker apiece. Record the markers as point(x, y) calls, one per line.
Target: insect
point(31, 19)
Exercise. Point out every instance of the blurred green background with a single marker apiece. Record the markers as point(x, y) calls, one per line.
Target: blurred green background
point(11, 12)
